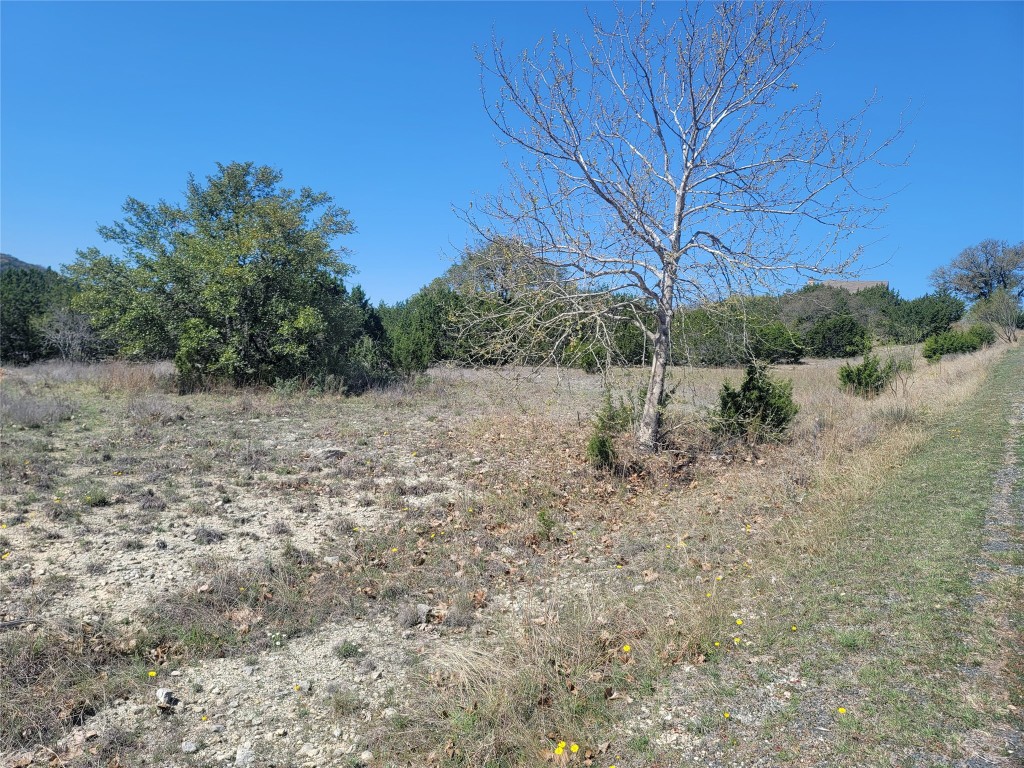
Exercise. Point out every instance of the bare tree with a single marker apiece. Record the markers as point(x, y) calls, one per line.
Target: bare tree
point(70, 333)
point(1003, 310)
point(672, 163)
point(980, 270)
point(519, 309)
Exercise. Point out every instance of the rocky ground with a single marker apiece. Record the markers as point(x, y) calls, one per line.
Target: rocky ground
point(289, 579)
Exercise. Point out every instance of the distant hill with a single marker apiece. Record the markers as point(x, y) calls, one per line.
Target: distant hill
point(9, 262)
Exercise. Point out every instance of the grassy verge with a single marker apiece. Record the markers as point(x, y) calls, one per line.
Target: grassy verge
point(883, 616)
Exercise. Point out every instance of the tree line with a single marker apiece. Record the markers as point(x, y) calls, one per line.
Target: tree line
point(452, 320)
point(243, 282)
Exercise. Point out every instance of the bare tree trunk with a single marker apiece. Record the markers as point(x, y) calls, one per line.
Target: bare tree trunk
point(650, 421)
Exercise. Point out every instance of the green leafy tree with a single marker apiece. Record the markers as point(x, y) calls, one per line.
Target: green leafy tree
point(811, 304)
point(421, 330)
point(877, 309)
point(926, 316)
point(735, 332)
point(241, 282)
point(631, 345)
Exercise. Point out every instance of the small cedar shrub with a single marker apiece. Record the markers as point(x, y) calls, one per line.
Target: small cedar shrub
point(984, 333)
point(871, 376)
point(761, 409)
point(600, 450)
point(613, 419)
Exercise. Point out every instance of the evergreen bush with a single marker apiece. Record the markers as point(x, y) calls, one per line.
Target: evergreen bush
point(761, 409)
point(600, 450)
point(836, 336)
point(955, 342)
point(984, 333)
point(871, 376)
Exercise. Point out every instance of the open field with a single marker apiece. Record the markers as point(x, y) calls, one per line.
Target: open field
point(432, 574)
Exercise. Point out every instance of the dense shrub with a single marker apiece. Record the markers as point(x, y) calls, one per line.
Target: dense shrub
point(928, 315)
point(955, 342)
point(242, 282)
point(27, 297)
point(984, 333)
point(422, 330)
point(613, 418)
point(587, 355)
point(836, 336)
point(761, 409)
point(871, 376)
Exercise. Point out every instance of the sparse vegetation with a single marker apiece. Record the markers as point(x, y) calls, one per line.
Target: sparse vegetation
point(31, 412)
point(505, 590)
point(348, 650)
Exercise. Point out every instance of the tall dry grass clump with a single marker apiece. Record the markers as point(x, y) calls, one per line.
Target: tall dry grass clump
point(562, 674)
point(113, 376)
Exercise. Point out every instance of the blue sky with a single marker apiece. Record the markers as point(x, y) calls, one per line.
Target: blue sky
point(379, 105)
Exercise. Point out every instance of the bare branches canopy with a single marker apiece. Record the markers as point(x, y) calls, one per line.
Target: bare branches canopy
point(980, 270)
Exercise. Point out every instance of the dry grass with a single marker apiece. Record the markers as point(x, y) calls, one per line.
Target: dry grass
point(735, 511)
point(109, 377)
point(61, 678)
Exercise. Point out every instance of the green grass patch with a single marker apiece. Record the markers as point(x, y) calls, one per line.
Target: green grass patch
point(885, 614)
